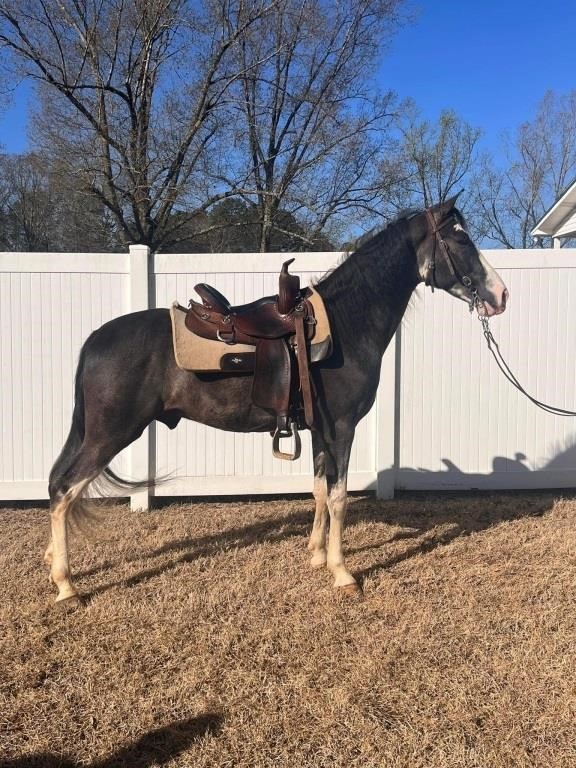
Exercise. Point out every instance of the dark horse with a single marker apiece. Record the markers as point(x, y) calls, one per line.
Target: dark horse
point(127, 375)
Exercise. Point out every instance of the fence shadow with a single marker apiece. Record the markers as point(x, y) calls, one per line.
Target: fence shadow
point(447, 509)
point(155, 748)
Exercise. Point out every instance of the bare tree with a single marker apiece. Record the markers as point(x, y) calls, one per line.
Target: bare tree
point(26, 206)
point(131, 93)
point(41, 211)
point(539, 164)
point(431, 161)
point(307, 127)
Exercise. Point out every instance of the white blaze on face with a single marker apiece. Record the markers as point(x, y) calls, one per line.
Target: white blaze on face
point(496, 287)
point(493, 284)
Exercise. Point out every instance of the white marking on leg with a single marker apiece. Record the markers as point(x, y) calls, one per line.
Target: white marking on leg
point(48, 553)
point(337, 503)
point(317, 542)
point(60, 569)
point(48, 559)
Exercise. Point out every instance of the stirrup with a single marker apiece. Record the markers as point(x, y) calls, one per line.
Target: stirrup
point(278, 454)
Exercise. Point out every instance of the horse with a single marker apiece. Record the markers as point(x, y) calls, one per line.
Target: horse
point(127, 376)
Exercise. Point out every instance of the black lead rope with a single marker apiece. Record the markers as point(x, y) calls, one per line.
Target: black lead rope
point(505, 368)
point(476, 302)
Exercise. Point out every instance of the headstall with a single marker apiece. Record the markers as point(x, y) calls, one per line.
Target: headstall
point(430, 266)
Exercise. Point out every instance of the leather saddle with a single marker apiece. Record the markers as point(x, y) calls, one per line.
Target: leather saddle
point(280, 328)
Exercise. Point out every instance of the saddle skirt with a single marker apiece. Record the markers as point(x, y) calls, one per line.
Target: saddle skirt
point(202, 355)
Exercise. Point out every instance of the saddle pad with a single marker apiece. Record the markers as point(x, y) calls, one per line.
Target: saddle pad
point(193, 353)
point(322, 331)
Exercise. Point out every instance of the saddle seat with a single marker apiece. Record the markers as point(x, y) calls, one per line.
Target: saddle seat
point(280, 328)
point(270, 317)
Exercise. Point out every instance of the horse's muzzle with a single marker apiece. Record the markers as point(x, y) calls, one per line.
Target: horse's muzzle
point(497, 304)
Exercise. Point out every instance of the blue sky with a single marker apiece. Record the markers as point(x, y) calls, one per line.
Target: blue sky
point(490, 61)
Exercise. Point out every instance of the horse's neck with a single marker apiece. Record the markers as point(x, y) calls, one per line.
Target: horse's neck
point(368, 296)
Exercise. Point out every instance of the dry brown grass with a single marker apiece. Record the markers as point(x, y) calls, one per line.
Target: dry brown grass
point(207, 641)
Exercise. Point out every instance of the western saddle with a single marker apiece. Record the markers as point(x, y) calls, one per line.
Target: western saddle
point(280, 329)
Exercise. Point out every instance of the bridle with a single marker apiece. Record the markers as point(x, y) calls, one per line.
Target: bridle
point(444, 250)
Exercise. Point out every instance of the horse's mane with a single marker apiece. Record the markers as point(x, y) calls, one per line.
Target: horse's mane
point(387, 238)
point(367, 237)
point(371, 273)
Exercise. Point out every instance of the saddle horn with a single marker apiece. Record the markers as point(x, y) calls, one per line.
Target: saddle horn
point(288, 289)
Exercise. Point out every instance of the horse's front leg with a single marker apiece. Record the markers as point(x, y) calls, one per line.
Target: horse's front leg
point(336, 477)
point(48, 554)
point(317, 542)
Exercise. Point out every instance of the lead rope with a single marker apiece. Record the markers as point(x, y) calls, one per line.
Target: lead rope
point(503, 365)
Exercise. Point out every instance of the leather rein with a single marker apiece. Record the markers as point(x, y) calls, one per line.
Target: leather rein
point(505, 368)
point(476, 303)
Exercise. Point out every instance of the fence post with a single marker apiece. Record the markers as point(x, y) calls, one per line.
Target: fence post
point(386, 408)
point(139, 453)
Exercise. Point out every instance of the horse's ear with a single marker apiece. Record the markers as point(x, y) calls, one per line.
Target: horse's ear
point(444, 208)
point(456, 196)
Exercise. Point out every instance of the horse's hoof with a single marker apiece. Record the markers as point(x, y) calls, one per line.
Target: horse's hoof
point(318, 560)
point(70, 603)
point(353, 591)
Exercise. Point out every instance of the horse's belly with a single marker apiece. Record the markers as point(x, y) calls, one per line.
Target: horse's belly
point(224, 402)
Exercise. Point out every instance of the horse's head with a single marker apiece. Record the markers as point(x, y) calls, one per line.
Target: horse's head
point(448, 259)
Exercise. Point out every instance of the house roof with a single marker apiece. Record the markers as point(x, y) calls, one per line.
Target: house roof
point(560, 220)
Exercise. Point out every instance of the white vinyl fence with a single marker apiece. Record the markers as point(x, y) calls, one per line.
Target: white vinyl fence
point(444, 418)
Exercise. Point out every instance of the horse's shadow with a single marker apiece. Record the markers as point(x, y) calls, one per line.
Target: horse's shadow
point(190, 548)
point(440, 518)
point(431, 520)
point(157, 747)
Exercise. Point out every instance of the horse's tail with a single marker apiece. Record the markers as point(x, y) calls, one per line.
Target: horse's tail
point(122, 484)
point(77, 428)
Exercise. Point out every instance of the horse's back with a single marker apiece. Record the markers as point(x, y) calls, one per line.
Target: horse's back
point(129, 349)
point(128, 331)
point(147, 321)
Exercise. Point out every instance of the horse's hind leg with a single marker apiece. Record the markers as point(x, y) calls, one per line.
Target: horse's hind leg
point(69, 479)
point(48, 553)
point(63, 503)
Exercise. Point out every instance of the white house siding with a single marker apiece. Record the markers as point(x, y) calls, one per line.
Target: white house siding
point(568, 228)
